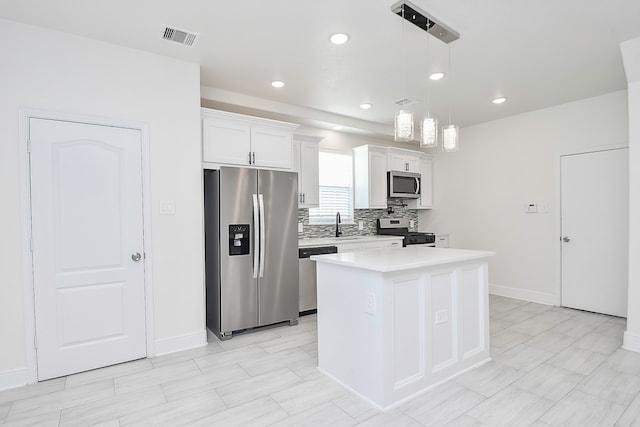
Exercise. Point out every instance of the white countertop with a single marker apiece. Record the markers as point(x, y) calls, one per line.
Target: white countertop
point(401, 259)
point(331, 241)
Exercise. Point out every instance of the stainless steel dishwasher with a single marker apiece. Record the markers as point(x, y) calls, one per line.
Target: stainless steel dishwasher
point(308, 294)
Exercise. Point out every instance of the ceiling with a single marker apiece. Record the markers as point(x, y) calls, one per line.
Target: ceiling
point(536, 53)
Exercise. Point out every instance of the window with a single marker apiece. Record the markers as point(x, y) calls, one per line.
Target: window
point(336, 189)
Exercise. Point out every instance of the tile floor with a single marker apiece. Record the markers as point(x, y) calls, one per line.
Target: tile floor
point(551, 367)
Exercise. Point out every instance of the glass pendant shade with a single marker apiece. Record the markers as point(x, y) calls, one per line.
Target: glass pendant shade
point(450, 138)
point(429, 133)
point(403, 126)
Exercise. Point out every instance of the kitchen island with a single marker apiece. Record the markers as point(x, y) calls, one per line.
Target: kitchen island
point(394, 323)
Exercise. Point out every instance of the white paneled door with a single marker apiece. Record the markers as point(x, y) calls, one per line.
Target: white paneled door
point(595, 211)
point(87, 230)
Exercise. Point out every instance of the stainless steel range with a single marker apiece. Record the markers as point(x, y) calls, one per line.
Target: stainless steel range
point(400, 227)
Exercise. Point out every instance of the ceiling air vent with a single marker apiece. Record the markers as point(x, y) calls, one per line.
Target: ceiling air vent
point(187, 38)
point(405, 101)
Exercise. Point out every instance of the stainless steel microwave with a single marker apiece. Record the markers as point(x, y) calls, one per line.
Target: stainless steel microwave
point(403, 185)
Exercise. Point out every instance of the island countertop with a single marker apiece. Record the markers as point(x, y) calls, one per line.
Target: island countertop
point(402, 259)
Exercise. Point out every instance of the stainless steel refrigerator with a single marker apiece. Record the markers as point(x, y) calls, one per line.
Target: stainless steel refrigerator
point(251, 248)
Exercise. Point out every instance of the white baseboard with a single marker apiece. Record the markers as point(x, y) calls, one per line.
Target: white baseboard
point(181, 342)
point(13, 379)
point(523, 294)
point(631, 342)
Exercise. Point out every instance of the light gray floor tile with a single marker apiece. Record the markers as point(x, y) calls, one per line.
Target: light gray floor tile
point(577, 360)
point(591, 319)
point(549, 382)
point(203, 382)
point(466, 421)
point(253, 388)
point(287, 342)
point(276, 361)
point(307, 370)
point(113, 407)
point(614, 327)
point(612, 385)
point(307, 395)
point(489, 378)
point(393, 418)
point(555, 317)
point(573, 328)
point(302, 326)
point(511, 407)
point(257, 413)
point(43, 387)
point(508, 339)
point(551, 341)
point(56, 401)
point(524, 357)
point(357, 407)
point(442, 405)
point(326, 414)
point(603, 344)
point(516, 315)
point(230, 357)
point(145, 379)
point(580, 409)
point(497, 325)
point(249, 338)
point(110, 423)
point(49, 419)
point(183, 356)
point(4, 410)
point(631, 416)
point(532, 307)
point(108, 373)
point(533, 326)
point(625, 361)
point(504, 305)
point(178, 412)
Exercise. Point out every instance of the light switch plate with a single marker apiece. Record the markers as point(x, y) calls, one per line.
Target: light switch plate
point(360, 225)
point(370, 303)
point(167, 207)
point(442, 316)
point(300, 227)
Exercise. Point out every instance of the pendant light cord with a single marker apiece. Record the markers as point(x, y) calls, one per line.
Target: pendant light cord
point(428, 67)
point(450, 86)
point(404, 67)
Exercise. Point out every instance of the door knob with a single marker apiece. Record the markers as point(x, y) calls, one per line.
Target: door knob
point(566, 239)
point(136, 257)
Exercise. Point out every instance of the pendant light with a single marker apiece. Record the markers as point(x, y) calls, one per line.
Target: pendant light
point(450, 133)
point(429, 125)
point(403, 123)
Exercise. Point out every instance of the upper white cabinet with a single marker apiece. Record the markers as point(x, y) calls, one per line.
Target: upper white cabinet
point(236, 139)
point(426, 174)
point(305, 162)
point(370, 177)
point(403, 160)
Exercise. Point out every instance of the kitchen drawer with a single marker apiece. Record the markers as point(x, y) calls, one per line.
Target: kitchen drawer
point(393, 244)
point(442, 240)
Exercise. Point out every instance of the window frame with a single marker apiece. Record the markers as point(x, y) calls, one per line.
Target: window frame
point(351, 218)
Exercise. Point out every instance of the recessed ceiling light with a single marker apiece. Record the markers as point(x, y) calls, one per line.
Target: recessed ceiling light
point(339, 38)
point(366, 106)
point(499, 100)
point(277, 83)
point(337, 127)
point(436, 76)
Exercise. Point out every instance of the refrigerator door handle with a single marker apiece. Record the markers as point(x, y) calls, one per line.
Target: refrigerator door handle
point(262, 234)
point(256, 244)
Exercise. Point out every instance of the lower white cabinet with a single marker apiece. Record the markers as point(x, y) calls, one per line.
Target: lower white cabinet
point(369, 245)
point(236, 139)
point(442, 240)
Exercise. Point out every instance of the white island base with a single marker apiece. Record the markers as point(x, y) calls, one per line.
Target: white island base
point(395, 323)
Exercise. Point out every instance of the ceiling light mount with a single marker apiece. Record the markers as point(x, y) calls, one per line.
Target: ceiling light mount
point(421, 19)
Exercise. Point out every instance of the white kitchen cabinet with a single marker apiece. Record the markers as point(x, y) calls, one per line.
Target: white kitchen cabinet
point(370, 177)
point(236, 139)
point(403, 160)
point(305, 162)
point(442, 240)
point(426, 182)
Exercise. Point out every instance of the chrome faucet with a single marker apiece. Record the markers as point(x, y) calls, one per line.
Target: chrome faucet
point(338, 232)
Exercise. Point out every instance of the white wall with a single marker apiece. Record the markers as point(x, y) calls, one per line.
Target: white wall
point(59, 72)
point(480, 191)
point(631, 56)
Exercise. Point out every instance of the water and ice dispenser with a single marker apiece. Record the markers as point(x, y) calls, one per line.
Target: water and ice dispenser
point(238, 239)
